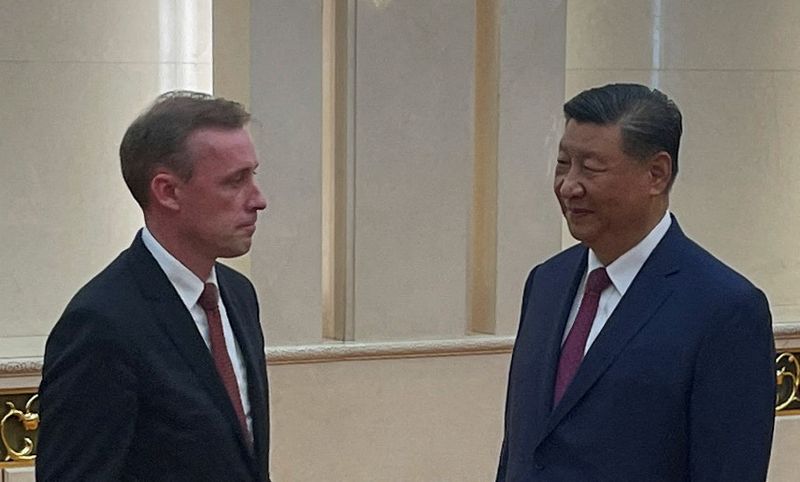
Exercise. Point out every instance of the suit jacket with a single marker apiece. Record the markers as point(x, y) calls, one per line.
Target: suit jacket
point(678, 386)
point(129, 389)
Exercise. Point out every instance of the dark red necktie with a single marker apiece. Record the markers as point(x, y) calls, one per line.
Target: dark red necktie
point(219, 351)
point(574, 345)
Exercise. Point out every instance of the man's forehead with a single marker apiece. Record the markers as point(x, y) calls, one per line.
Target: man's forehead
point(217, 135)
point(211, 141)
point(587, 136)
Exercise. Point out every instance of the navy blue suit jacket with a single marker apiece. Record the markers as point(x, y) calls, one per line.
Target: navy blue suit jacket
point(129, 389)
point(678, 386)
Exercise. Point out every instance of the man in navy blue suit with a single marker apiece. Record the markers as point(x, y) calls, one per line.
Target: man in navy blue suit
point(156, 369)
point(639, 356)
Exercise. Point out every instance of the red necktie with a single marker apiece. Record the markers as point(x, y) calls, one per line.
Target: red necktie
point(208, 300)
point(572, 351)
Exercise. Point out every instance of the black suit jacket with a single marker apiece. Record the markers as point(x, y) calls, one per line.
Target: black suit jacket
point(129, 389)
point(678, 386)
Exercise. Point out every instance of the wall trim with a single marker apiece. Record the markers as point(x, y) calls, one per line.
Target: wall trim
point(785, 334)
point(484, 345)
point(334, 352)
point(15, 367)
point(785, 331)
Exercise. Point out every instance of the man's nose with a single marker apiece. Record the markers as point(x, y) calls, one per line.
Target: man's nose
point(258, 202)
point(570, 185)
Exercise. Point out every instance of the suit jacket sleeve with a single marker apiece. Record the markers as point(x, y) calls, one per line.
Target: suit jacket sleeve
point(733, 396)
point(88, 401)
point(501, 469)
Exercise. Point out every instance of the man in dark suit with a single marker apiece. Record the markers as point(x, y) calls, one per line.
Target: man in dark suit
point(640, 356)
point(149, 374)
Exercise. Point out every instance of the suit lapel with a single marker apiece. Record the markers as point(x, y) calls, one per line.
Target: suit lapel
point(644, 298)
point(171, 314)
point(546, 304)
point(248, 350)
point(551, 315)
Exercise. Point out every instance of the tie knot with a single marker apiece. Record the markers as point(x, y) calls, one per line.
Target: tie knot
point(208, 298)
point(598, 281)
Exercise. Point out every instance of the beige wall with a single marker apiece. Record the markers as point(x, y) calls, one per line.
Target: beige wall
point(74, 75)
point(17, 474)
point(422, 420)
point(532, 56)
point(413, 166)
point(733, 68)
point(785, 447)
point(400, 420)
point(410, 148)
point(286, 102)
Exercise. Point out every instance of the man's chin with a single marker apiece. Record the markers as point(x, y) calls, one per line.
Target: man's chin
point(240, 249)
point(578, 232)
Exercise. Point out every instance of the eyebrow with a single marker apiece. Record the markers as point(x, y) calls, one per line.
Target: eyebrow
point(248, 168)
point(240, 171)
point(580, 152)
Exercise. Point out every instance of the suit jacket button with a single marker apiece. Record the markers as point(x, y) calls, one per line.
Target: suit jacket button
point(538, 466)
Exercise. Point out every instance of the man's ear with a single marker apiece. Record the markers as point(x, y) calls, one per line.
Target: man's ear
point(164, 189)
point(660, 169)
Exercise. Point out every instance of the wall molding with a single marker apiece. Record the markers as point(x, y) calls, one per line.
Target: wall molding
point(334, 352)
point(469, 346)
point(15, 367)
point(786, 335)
point(784, 331)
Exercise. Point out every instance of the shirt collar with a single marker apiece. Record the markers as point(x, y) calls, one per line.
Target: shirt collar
point(186, 283)
point(624, 269)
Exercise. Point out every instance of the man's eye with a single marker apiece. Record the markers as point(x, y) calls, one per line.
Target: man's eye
point(236, 180)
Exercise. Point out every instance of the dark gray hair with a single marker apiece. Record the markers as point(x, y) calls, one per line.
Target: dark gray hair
point(649, 121)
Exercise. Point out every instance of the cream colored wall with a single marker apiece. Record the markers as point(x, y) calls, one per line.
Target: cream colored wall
point(285, 88)
point(733, 68)
point(410, 100)
point(286, 102)
point(413, 156)
point(785, 447)
point(400, 420)
point(78, 86)
point(532, 52)
point(17, 474)
point(410, 91)
point(74, 75)
point(421, 419)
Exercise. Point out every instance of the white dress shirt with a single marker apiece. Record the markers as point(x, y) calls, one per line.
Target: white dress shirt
point(622, 272)
point(189, 288)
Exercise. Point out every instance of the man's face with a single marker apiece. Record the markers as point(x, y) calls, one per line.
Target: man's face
point(219, 204)
point(606, 196)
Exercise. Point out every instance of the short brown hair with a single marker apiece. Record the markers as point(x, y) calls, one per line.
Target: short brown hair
point(157, 138)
